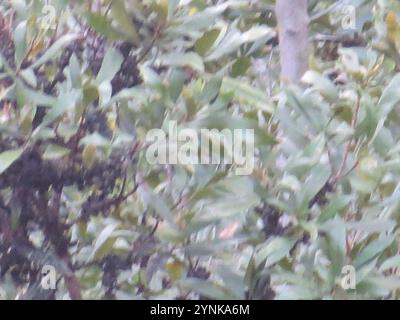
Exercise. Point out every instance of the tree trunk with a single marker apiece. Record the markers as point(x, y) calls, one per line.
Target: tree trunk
point(292, 16)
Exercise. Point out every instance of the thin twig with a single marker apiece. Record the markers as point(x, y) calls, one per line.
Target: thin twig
point(326, 11)
point(354, 119)
point(269, 84)
point(151, 45)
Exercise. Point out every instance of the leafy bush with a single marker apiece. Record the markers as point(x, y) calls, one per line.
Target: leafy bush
point(82, 82)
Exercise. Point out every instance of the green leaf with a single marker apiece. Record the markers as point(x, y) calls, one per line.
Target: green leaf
point(207, 289)
point(274, 251)
point(321, 84)
point(111, 64)
point(95, 139)
point(190, 59)
point(157, 203)
point(25, 95)
point(295, 101)
point(20, 42)
point(105, 93)
point(102, 25)
point(319, 176)
point(392, 262)
point(368, 125)
point(229, 44)
point(373, 225)
point(8, 157)
point(372, 250)
point(247, 94)
point(211, 90)
point(29, 76)
point(293, 292)
point(390, 96)
point(337, 203)
point(136, 93)
point(54, 49)
point(54, 151)
point(335, 245)
point(205, 43)
point(121, 16)
point(104, 242)
point(240, 66)
point(65, 102)
point(257, 32)
point(234, 39)
point(176, 82)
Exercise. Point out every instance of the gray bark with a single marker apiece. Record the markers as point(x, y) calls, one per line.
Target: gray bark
point(293, 20)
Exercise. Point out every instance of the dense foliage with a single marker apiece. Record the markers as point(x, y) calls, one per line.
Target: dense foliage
point(82, 82)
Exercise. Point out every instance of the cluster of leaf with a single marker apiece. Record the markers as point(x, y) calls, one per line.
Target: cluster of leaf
point(79, 91)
